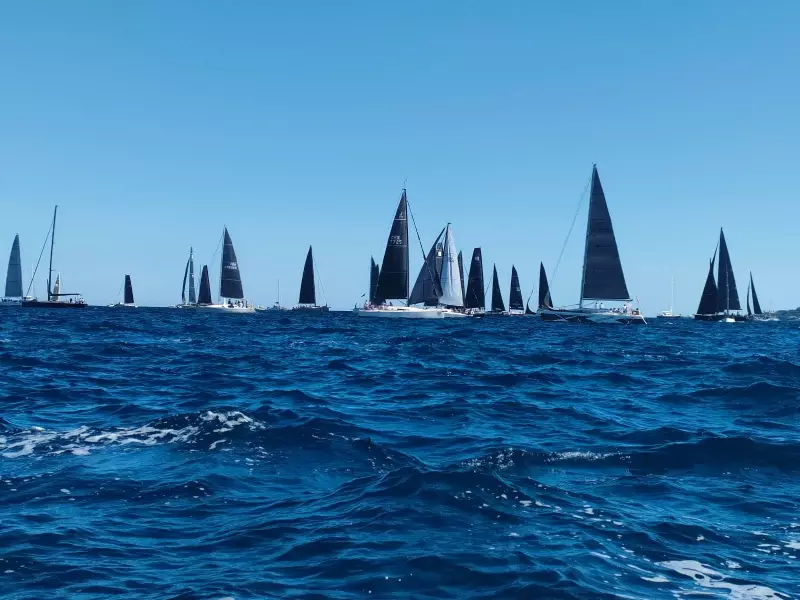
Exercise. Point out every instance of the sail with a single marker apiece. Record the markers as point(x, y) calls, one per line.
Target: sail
point(708, 301)
point(603, 278)
point(528, 310)
point(428, 288)
point(461, 273)
point(515, 295)
point(128, 290)
point(497, 297)
point(545, 300)
point(192, 294)
point(308, 293)
point(475, 295)
point(205, 287)
point(185, 275)
point(749, 287)
point(728, 297)
point(57, 286)
point(756, 303)
point(393, 278)
point(230, 285)
point(374, 273)
point(451, 284)
point(14, 274)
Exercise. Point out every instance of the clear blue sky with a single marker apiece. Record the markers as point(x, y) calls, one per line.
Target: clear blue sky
point(152, 124)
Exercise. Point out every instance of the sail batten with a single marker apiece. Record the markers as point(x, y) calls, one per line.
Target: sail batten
point(475, 297)
point(603, 278)
point(14, 273)
point(308, 292)
point(230, 278)
point(515, 301)
point(393, 277)
point(728, 296)
point(204, 297)
point(428, 288)
point(128, 290)
point(497, 297)
point(545, 300)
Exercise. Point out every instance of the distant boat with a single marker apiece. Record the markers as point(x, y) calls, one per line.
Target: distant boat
point(128, 301)
point(515, 303)
point(55, 297)
point(14, 295)
point(230, 285)
point(669, 314)
point(374, 274)
point(545, 300)
point(720, 299)
point(307, 301)
point(498, 306)
point(474, 299)
point(603, 279)
point(188, 277)
point(433, 286)
point(756, 314)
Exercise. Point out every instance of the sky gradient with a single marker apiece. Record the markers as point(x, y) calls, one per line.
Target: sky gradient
point(154, 124)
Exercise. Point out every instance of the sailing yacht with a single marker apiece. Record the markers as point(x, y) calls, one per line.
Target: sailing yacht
point(756, 314)
point(720, 299)
point(230, 284)
point(14, 295)
point(475, 298)
point(498, 306)
point(128, 297)
point(437, 288)
point(545, 300)
point(670, 314)
point(307, 302)
point(55, 297)
point(188, 277)
point(603, 279)
point(515, 305)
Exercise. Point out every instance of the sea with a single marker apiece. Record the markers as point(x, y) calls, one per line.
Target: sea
point(161, 454)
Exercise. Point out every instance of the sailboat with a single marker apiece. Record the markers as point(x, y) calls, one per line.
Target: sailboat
point(669, 314)
point(498, 306)
point(461, 274)
point(720, 299)
point(545, 300)
point(308, 294)
point(55, 297)
point(474, 299)
point(14, 295)
point(515, 305)
point(188, 277)
point(230, 284)
point(756, 314)
point(603, 279)
point(438, 289)
point(374, 274)
point(128, 297)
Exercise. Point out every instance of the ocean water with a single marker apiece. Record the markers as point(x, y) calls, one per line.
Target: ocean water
point(160, 454)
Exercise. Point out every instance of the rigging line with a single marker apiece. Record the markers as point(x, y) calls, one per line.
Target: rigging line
point(40, 260)
point(422, 249)
point(569, 233)
point(322, 287)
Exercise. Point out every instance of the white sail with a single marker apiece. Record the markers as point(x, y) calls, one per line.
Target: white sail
point(57, 286)
point(450, 279)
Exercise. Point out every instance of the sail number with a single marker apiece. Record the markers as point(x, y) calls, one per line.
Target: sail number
point(395, 240)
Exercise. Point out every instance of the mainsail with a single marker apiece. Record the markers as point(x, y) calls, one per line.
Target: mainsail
point(756, 303)
point(728, 297)
point(475, 295)
point(57, 286)
point(205, 288)
point(393, 277)
point(515, 295)
point(461, 273)
point(451, 285)
point(188, 272)
point(230, 285)
point(308, 293)
point(374, 273)
point(545, 300)
point(497, 297)
point(128, 290)
point(14, 274)
point(428, 288)
point(603, 278)
point(708, 301)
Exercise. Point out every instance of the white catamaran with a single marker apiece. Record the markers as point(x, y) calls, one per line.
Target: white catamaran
point(603, 279)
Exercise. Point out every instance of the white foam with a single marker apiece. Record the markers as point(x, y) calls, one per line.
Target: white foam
point(706, 577)
point(656, 579)
point(525, 503)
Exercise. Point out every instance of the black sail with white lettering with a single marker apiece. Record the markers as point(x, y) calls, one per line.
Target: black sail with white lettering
point(728, 296)
point(204, 297)
point(128, 290)
point(545, 300)
point(393, 278)
point(475, 297)
point(14, 273)
point(374, 273)
point(515, 295)
point(428, 286)
point(603, 278)
point(308, 293)
point(708, 301)
point(231, 280)
point(497, 297)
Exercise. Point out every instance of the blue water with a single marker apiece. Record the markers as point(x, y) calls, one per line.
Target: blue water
point(160, 454)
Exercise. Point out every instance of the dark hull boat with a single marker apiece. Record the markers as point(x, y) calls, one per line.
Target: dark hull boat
point(720, 299)
point(55, 298)
point(603, 279)
point(307, 303)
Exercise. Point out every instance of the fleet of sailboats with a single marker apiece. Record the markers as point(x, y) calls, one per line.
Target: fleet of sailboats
point(720, 298)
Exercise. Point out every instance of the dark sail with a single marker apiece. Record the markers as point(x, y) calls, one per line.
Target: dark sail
point(708, 301)
point(474, 297)
point(603, 278)
point(205, 288)
point(528, 310)
point(192, 294)
point(308, 294)
point(461, 273)
point(128, 290)
point(728, 297)
point(545, 301)
point(756, 304)
point(749, 287)
point(393, 278)
point(231, 281)
point(428, 286)
point(185, 275)
point(374, 273)
point(515, 295)
point(497, 297)
point(14, 274)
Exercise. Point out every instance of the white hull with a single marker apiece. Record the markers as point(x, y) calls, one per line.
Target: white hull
point(217, 308)
point(121, 305)
point(410, 312)
point(591, 315)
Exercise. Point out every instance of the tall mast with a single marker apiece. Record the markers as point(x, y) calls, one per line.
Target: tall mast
point(586, 244)
point(52, 243)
